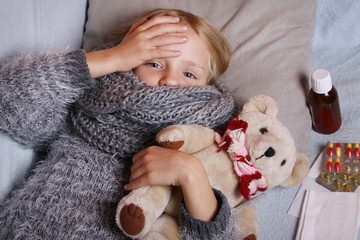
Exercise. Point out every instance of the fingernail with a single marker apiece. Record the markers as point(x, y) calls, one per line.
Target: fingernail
point(185, 27)
point(176, 19)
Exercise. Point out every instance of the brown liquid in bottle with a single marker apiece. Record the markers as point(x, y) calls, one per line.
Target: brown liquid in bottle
point(325, 110)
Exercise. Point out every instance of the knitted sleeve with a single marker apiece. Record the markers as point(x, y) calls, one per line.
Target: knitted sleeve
point(222, 227)
point(35, 92)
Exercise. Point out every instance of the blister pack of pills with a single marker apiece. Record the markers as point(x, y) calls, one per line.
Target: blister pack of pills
point(341, 167)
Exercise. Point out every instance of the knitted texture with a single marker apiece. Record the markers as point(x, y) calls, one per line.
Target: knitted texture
point(233, 141)
point(74, 191)
point(35, 91)
point(218, 229)
point(122, 115)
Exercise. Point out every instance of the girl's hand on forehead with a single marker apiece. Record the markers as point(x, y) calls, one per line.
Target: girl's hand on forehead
point(147, 39)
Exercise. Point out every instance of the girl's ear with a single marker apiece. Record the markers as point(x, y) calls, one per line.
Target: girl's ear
point(261, 103)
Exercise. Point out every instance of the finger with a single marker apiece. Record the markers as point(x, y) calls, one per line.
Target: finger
point(146, 151)
point(138, 155)
point(133, 184)
point(141, 159)
point(140, 167)
point(159, 20)
point(165, 29)
point(168, 39)
point(163, 53)
point(136, 168)
point(148, 178)
point(137, 24)
point(138, 173)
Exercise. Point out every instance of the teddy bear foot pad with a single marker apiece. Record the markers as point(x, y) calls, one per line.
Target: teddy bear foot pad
point(250, 237)
point(132, 219)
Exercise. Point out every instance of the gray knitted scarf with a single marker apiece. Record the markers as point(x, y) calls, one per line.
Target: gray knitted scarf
point(122, 115)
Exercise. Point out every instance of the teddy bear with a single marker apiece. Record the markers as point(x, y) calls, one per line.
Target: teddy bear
point(256, 152)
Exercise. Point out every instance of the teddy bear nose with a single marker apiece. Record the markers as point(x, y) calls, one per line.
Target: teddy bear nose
point(270, 152)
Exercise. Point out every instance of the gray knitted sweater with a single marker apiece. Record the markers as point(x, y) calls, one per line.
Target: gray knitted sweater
point(73, 192)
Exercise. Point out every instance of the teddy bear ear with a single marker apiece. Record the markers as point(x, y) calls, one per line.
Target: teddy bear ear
point(261, 103)
point(300, 171)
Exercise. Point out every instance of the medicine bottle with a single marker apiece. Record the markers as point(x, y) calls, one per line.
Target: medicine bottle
point(324, 103)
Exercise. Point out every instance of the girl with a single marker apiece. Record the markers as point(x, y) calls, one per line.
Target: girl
point(99, 132)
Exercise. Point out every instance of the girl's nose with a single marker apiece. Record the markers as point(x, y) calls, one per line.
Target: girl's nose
point(170, 80)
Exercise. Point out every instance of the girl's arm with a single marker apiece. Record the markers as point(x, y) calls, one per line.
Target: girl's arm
point(35, 93)
point(221, 227)
point(199, 197)
point(141, 44)
point(204, 212)
point(162, 166)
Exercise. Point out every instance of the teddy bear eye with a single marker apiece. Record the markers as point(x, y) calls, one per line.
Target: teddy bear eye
point(263, 130)
point(283, 162)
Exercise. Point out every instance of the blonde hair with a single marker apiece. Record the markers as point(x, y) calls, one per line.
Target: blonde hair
point(213, 39)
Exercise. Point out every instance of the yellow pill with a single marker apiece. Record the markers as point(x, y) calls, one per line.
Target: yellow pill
point(338, 149)
point(331, 149)
point(352, 180)
point(346, 188)
point(325, 176)
point(336, 183)
point(348, 150)
point(342, 176)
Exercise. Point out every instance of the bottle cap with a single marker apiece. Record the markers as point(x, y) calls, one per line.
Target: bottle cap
point(321, 81)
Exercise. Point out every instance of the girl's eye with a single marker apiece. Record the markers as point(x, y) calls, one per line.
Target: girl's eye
point(154, 65)
point(189, 75)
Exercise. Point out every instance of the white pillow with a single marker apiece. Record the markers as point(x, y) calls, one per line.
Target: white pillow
point(271, 43)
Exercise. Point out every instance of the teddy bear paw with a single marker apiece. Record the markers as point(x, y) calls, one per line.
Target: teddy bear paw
point(172, 145)
point(171, 134)
point(250, 237)
point(132, 219)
